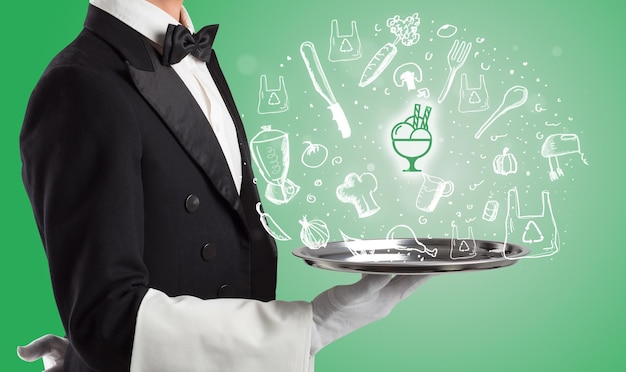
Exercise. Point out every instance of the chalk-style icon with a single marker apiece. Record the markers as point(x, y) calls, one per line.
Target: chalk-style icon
point(505, 163)
point(272, 100)
point(406, 33)
point(473, 99)
point(456, 59)
point(475, 186)
point(513, 98)
point(270, 225)
point(314, 155)
point(411, 138)
point(407, 75)
point(358, 190)
point(320, 83)
point(462, 248)
point(538, 232)
point(270, 152)
point(344, 47)
point(423, 93)
point(557, 145)
point(446, 31)
point(359, 247)
point(490, 212)
point(432, 190)
point(405, 232)
point(314, 233)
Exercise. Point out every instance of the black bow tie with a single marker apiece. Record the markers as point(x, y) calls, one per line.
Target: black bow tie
point(179, 42)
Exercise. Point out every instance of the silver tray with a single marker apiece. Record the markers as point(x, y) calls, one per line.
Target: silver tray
point(411, 257)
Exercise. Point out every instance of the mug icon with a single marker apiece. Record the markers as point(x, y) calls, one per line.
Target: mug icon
point(432, 190)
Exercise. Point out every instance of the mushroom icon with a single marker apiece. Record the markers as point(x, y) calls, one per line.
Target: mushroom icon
point(407, 75)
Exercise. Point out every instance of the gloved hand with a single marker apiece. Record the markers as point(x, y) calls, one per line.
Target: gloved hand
point(49, 347)
point(346, 308)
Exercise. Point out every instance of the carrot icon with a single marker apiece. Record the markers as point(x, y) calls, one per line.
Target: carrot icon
point(406, 32)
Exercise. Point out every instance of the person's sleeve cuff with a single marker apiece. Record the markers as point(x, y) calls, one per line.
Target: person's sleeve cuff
point(186, 333)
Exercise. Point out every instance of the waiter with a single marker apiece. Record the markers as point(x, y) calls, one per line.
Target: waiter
point(137, 167)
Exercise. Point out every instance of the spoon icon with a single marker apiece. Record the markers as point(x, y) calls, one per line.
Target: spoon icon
point(513, 98)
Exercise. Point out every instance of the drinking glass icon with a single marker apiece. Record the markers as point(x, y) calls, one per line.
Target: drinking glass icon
point(432, 190)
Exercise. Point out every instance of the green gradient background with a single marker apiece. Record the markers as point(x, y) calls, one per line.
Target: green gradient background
point(564, 313)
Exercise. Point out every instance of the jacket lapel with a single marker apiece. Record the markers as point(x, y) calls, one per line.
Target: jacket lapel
point(171, 99)
point(249, 193)
point(163, 89)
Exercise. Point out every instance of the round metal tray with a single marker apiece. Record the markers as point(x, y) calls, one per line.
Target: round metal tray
point(411, 257)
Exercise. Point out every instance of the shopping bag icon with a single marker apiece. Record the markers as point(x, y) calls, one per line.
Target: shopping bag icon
point(462, 248)
point(537, 232)
point(473, 99)
point(272, 101)
point(344, 47)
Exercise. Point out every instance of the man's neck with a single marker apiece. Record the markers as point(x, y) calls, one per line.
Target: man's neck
point(172, 7)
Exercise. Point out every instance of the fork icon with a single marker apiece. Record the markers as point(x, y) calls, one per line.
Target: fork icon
point(456, 58)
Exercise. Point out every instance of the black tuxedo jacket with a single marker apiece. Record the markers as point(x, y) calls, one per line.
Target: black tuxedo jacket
point(131, 191)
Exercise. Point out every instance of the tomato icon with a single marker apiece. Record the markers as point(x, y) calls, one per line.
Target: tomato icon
point(314, 155)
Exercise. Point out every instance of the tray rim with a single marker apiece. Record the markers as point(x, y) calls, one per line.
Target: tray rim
point(412, 267)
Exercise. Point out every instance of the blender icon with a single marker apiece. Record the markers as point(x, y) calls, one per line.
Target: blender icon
point(270, 152)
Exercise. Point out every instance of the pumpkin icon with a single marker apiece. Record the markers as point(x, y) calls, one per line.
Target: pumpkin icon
point(505, 163)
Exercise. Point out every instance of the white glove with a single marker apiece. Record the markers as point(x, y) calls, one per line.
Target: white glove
point(346, 308)
point(49, 347)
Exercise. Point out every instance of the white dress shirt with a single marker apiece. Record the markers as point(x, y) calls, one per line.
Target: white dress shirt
point(185, 333)
point(150, 21)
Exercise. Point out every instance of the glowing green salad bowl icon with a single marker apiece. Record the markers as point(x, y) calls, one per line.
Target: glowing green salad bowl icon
point(411, 138)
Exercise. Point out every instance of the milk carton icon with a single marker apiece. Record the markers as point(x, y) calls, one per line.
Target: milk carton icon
point(538, 232)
